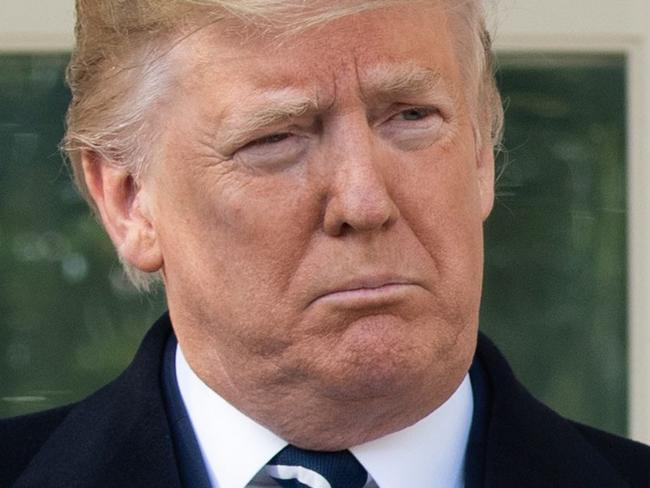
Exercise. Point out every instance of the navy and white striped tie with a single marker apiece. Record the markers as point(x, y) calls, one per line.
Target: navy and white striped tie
point(293, 467)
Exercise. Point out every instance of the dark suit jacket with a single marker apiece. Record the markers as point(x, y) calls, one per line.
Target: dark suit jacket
point(121, 437)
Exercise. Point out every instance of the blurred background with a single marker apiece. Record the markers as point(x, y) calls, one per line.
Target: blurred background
point(558, 298)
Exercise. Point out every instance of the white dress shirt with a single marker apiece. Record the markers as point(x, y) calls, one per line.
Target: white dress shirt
point(428, 454)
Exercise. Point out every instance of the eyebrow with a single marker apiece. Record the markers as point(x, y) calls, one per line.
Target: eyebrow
point(272, 107)
point(390, 81)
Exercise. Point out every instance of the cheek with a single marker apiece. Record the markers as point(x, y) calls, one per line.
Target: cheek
point(266, 227)
point(440, 193)
point(242, 241)
point(441, 206)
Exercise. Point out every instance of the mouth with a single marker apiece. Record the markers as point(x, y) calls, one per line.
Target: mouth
point(368, 292)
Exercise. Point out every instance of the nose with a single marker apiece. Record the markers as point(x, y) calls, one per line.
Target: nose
point(359, 199)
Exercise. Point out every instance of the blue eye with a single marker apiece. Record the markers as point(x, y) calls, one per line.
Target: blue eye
point(415, 114)
point(413, 128)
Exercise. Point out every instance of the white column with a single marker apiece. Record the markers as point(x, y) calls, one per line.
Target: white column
point(639, 239)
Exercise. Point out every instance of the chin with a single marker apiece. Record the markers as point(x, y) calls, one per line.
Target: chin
point(383, 357)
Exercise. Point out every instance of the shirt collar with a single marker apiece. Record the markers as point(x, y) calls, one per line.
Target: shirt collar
point(429, 453)
point(234, 447)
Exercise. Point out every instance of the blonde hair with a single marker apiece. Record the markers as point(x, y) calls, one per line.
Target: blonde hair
point(117, 70)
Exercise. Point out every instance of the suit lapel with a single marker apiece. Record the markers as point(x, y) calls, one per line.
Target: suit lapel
point(119, 436)
point(528, 444)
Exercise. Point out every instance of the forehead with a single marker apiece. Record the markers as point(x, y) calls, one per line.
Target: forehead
point(387, 42)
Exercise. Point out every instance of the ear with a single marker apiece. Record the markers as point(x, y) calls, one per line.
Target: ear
point(485, 171)
point(122, 205)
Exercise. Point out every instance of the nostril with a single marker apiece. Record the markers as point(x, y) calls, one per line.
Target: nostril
point(360, 213)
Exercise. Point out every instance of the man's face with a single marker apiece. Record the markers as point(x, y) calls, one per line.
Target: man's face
point(318, 203)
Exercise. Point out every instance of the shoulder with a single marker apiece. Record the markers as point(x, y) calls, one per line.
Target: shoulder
point(629, 458)
point(526, 440)
point(22, 437)
point(125, 421)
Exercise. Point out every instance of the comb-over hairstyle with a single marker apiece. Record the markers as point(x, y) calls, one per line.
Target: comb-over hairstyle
point(119, 69)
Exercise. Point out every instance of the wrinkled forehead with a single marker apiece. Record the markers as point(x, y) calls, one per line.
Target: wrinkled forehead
point(393, 46)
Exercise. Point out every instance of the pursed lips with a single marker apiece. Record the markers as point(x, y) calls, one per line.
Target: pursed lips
point(368, 291)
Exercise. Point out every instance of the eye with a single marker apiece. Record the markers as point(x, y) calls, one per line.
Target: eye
point(415, 118)
point(416, 113)
point(275, 151)
point(414, 128)
point(272, 139)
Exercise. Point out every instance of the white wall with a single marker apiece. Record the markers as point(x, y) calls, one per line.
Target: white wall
point(574, 18)
point(36, 25)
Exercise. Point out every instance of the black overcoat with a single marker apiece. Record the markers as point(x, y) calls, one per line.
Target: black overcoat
point(120, 437)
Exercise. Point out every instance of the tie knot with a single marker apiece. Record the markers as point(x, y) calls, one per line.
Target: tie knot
point(293, 467)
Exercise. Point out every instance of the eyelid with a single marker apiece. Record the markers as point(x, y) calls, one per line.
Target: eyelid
point(238, 133)
point(381, 114)
point(248, 141)
point(260, 141)
point(271, 156)
point(428, 111)
point(295, 127)
point(393, 116)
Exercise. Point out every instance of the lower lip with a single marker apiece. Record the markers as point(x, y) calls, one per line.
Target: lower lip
point(364, 297)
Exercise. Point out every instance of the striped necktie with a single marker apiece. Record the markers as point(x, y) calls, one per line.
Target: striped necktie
point(293, 467)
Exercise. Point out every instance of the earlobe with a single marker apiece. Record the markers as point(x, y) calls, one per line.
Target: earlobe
point(485, 169)
point(123, 208)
